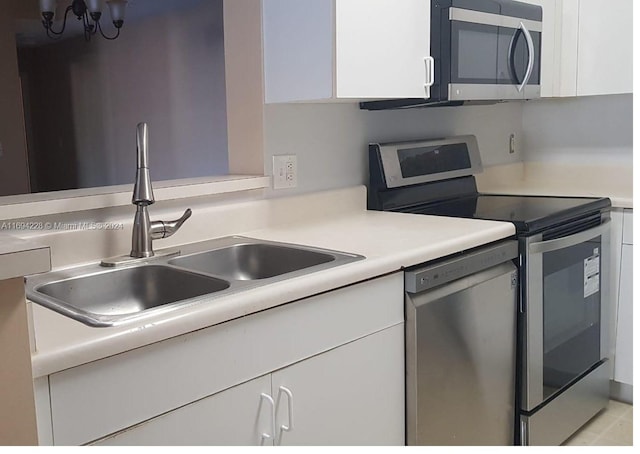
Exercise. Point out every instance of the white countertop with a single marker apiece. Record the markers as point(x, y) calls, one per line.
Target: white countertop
point(389, 241)
point(20, 257)
point(560, 179)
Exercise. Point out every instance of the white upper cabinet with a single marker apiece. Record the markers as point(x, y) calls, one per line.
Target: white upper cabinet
point(594, 47)
point(605, 47)
point(323, 50)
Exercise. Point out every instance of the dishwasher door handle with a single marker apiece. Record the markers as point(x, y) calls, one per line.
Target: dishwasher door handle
point(424, 278)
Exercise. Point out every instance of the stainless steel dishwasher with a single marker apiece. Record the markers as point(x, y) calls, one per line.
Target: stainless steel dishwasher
point(461, 348)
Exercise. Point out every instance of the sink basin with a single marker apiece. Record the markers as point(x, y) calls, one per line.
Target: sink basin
point(99, 296)
point(102, 299)
point(252, 261)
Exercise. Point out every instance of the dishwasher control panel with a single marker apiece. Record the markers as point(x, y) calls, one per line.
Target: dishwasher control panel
point(425, 277)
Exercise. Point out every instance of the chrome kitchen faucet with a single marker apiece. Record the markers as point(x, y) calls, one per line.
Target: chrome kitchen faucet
point(145, 230)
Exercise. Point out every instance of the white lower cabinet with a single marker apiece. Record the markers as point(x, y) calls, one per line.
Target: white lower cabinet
point(237, 416)
point(351, 395)
point(622, 296)
point(340, 353)
point(623, 367)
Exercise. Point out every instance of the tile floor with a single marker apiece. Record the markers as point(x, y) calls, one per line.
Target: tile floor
point(611, 427)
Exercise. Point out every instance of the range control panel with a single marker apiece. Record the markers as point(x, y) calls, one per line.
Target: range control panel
point(426, 277)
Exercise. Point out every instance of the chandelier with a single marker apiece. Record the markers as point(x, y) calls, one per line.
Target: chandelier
point(89, 12)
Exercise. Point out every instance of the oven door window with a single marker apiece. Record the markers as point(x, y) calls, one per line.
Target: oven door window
point(491, 55)
point(571, 313)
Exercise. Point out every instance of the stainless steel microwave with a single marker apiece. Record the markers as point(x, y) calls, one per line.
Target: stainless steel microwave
point(483, 51)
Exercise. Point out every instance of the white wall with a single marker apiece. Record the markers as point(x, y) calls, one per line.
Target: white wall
point(165, 69)
point(331, 140)
point(593, 129)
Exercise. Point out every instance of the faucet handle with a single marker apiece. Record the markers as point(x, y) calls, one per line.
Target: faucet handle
point(164, 229)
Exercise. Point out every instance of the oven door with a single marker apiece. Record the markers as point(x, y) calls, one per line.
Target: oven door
point(493, 56)
point(565, 310)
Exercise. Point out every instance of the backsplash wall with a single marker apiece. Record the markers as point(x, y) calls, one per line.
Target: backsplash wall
point(330, 140)
point(593, 130)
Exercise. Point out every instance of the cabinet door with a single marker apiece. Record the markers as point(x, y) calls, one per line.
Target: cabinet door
point(298, 50)
point(352, 395)
point(381, 46)
point(237, 416)
point(623, 369)
point(605, 47)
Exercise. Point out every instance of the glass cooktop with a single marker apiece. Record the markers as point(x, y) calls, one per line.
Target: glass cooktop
point(528, 213)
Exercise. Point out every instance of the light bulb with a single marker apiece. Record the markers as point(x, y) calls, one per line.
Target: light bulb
point(117, 9)
point(48, 6)
point(94, 6)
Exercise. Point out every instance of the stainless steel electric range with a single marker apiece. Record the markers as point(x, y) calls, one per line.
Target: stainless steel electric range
point(562, 364)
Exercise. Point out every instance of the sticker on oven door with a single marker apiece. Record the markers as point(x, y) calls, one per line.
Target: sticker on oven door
point(592, 275)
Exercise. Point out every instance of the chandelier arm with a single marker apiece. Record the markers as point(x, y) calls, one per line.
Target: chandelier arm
point(89, 29)
point(64, 24)
point(111, 38)
point(52, 36)
point(85, 31)
point(96, 24)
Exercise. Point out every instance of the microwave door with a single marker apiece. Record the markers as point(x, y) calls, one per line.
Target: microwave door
point(492, 57)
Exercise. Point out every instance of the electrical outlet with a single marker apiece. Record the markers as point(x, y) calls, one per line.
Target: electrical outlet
point(285, 172)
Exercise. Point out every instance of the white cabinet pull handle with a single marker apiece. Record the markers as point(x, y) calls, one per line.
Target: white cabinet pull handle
point(269, 436)
point(429, 67)
point(289, 426)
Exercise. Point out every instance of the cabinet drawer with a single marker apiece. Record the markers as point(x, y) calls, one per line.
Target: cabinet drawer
point(627, 227)
point(100, 398)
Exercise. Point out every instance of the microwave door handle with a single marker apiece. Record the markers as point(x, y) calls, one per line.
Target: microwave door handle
point(568, 241)
point(532, 57)
point(512, 57)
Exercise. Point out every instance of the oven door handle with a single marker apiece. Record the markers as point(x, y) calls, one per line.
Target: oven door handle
point(568, 241)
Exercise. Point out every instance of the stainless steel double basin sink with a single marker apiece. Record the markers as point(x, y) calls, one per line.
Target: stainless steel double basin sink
point(199, 272)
